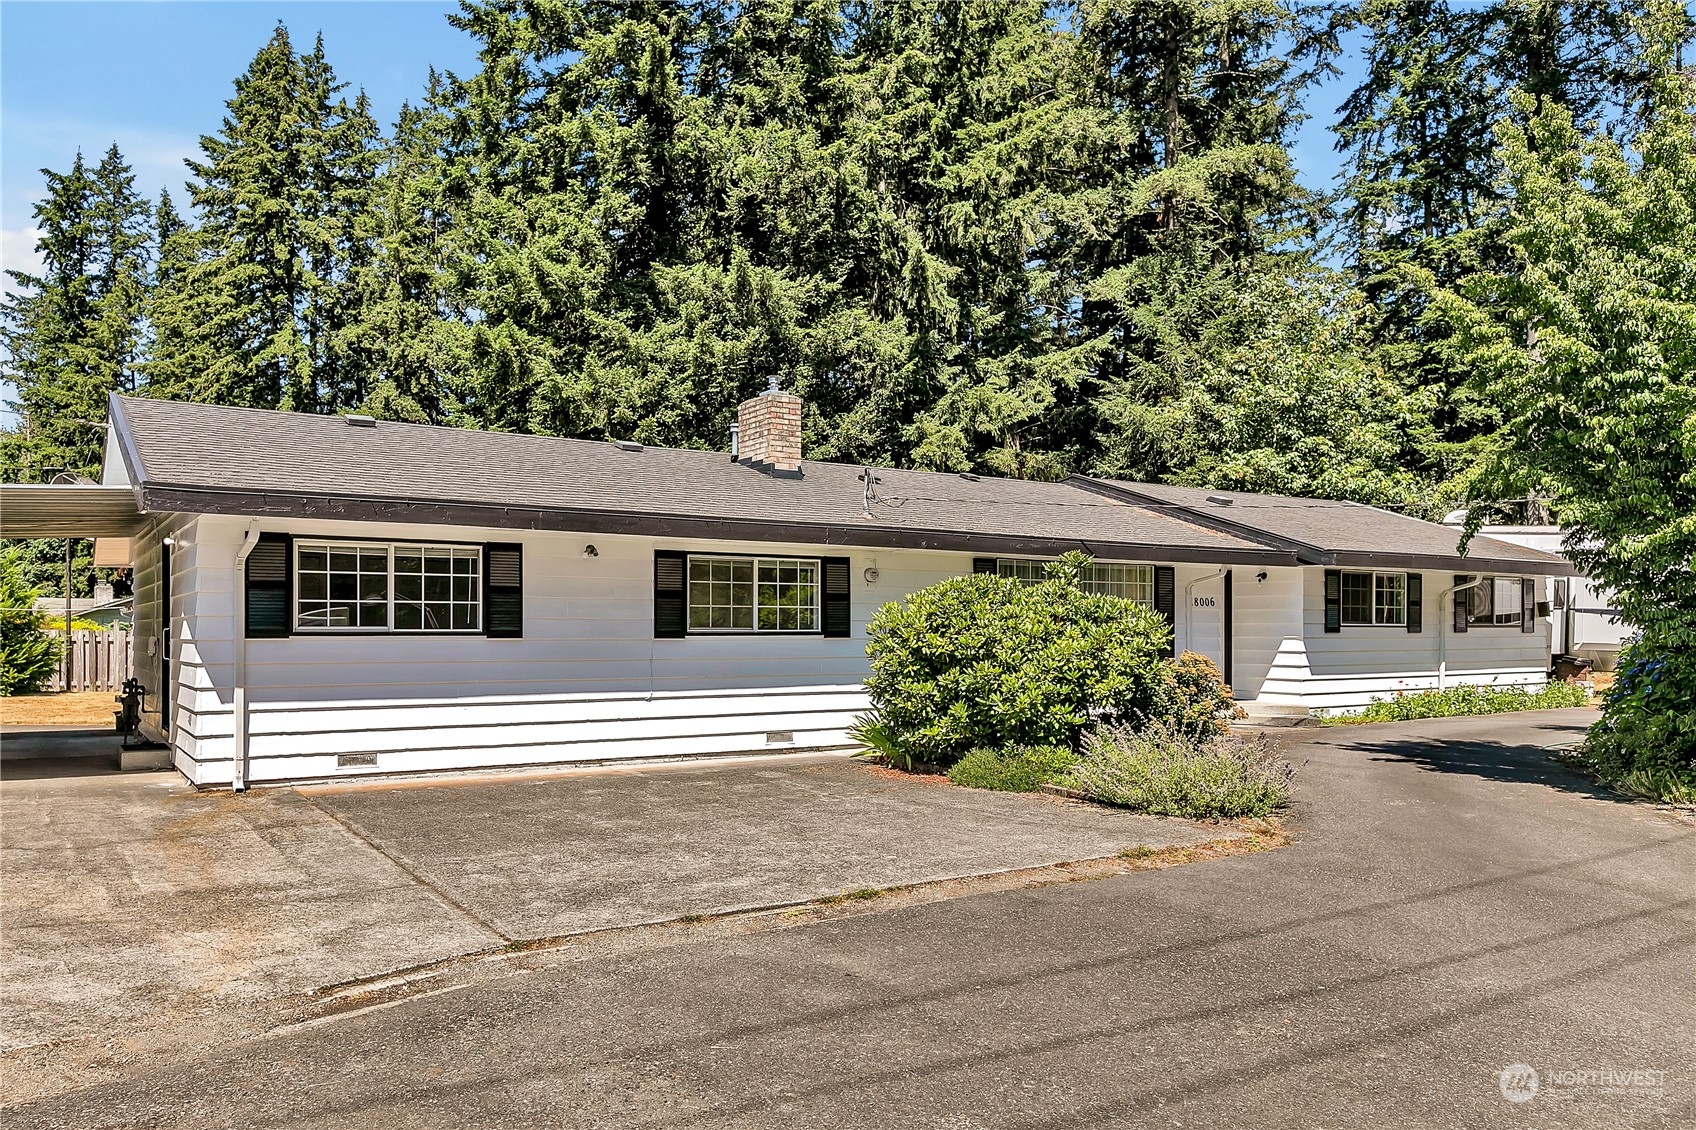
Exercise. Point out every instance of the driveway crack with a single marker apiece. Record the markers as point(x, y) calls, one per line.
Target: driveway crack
point(410, 871)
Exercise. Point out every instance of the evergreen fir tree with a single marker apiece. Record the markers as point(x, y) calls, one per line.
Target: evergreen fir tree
point(282, 195)
point(73, 333)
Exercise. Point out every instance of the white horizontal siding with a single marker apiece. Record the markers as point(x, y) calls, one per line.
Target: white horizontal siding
point(587, 680)
point(1347, 670)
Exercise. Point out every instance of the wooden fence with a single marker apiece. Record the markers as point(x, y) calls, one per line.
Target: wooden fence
point(100, 660)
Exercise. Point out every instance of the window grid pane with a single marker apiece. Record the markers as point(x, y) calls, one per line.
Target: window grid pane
point(342, 586)
point(1495, 603)
point(368, 587)
point(1357, 598)
point(753, 594)
point(438, 588)
point(1389, 604)
point(1110, 578)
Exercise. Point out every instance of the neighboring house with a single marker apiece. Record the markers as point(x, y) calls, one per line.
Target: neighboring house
point(1582, 620)
point(102, 608)
point(350, 596)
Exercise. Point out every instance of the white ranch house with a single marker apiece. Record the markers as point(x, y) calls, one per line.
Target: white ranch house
point(320, 597)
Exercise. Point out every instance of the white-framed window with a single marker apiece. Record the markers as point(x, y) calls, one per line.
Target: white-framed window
point(1375, 599)
point(1111, 578)
point(1496, 602)
point(753, 594)
point(387, 587)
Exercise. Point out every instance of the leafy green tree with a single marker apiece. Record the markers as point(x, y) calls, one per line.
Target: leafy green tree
point(1584, 345)
point(28, 656)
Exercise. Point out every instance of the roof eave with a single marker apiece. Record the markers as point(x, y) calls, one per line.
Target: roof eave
point(1549, 566)
point(344, 508)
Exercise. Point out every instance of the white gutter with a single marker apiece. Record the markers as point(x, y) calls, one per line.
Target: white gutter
point(1189, 605)
point(1442, 630)
point(238, 775)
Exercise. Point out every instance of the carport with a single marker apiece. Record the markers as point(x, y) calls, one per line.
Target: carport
point(108, 515)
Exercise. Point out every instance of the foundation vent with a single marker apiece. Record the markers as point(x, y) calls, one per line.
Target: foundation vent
point(356, 761)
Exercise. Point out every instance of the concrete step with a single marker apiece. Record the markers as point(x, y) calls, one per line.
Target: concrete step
point(1272, 715)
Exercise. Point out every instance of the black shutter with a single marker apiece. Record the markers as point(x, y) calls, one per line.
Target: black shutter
point(985, 565)
point(671, 605)
point(838, 604)
point(1527, 605)
point(1463, 602)
point(269, 593)
point(1416, 602)
point(1333, 600)
point(503, 590)
point(1165, 603)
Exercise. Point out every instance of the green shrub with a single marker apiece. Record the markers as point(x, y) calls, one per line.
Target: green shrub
point(27, 657)
point(1019, 770)
point(881, 742)
point(1465, 700)
point(1192, 697)
point(986, 662)
point(1645, 742)
point(1162, 771)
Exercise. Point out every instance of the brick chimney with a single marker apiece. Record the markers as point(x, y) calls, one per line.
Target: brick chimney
point(769, 431)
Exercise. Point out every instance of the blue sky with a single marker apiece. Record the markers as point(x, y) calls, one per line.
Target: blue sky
point(154, 75)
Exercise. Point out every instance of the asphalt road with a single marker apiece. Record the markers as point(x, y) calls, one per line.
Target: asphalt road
point(1454, 904)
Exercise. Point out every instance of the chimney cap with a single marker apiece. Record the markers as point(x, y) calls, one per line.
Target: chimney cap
point(771, 386)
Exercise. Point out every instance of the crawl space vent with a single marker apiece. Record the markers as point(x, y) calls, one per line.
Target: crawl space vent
point(780, 737)
point(356, 760)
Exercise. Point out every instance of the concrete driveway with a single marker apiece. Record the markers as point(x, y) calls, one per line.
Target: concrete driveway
point(1456, 903)
point(140, 914)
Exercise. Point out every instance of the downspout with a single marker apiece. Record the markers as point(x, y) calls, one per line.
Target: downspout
point(1443, 627)
point(1189, 602)
point(238, 678)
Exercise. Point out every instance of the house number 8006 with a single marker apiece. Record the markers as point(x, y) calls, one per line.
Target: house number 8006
point(1206, 601)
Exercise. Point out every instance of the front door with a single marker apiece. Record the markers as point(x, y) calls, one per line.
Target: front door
point(1207, 632)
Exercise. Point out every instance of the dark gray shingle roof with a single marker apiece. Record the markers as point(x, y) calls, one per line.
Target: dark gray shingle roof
point(212, 454)
point(212, 459)
point(1344, 532)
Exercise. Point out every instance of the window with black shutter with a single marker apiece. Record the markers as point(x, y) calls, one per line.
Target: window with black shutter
point(1463, 603)
point(1333, 600)
point(503, 590)
point(1415, 602)
point(984, 565)
point(837, 598)
point(671, 614)
point(268, 611)
point(1528, 605)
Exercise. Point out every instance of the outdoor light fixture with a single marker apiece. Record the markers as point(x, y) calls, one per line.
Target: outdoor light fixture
point(591, 551)
point(1260, 576)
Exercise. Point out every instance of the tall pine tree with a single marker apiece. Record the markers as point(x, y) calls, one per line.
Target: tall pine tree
point(73, 332)
point(263, 299)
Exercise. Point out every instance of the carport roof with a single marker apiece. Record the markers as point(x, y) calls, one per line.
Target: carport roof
point(75, 510)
